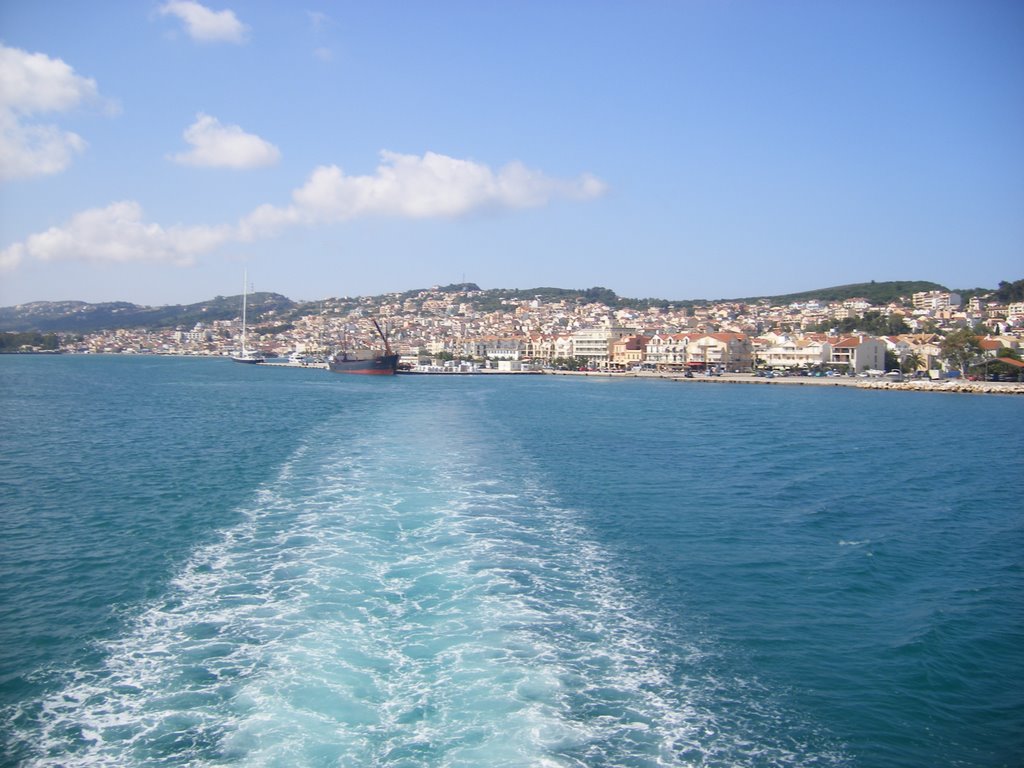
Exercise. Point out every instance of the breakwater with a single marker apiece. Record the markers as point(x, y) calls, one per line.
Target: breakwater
point(914, 385)
point(953, 386)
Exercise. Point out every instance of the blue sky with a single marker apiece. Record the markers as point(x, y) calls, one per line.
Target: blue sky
point(151, 152)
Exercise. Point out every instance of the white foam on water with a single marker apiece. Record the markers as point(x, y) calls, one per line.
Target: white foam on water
point(391, 602)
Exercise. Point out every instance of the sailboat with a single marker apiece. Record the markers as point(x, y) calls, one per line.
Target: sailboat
point(246, 355)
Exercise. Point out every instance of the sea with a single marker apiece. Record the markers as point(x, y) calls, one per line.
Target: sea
point(212, 564)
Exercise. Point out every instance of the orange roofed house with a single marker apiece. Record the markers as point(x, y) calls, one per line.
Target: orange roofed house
point(628, 351)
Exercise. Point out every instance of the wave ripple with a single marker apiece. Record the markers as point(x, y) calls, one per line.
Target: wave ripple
point(390, 603)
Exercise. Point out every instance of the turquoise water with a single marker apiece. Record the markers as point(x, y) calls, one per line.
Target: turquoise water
point(212, 564)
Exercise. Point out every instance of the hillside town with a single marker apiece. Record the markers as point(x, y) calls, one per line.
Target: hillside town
point(441, 328)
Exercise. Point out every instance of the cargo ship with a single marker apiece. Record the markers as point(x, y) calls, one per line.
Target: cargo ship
point(366, 362)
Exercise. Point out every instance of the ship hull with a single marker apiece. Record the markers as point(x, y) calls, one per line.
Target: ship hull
point(379, 365)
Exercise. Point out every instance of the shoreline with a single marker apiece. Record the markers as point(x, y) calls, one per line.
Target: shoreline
point(952, 386)
point(956, 386)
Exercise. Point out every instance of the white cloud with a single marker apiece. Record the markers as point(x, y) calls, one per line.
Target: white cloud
point(28, 150)
point(11, 257)
point(115, 234)
point(430, 186)
point(32, 84)
point(225, 146)
point(407, 186)
point(204, 25)
point(266, 221)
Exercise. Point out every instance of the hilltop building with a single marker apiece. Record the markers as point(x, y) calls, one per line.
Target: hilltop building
point(936, 300)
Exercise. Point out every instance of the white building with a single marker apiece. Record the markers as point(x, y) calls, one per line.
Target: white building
point(667, 351)
point(503, 348)
point(935, 300)
point(562, 346)
point(797, 353)
point(594, 344)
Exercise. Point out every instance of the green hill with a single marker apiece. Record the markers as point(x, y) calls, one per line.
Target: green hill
point(81, 317)
point(876, 293)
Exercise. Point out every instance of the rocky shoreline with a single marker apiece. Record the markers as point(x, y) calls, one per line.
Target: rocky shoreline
point(968, 387)
point(914, 385)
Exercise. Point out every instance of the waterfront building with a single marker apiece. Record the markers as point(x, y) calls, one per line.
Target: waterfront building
point(493, 347)
point(562, 345)
point(796, 353)
point(502, 348)
point(858, 353)
point(667, 351)
point(628, 351)
point(731, 351)
point(594, 344)
point(538, 346)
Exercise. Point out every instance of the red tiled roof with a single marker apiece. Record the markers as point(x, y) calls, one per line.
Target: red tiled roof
point(727, 336)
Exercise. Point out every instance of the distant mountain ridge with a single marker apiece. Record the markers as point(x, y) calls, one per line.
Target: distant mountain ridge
point(82, 317)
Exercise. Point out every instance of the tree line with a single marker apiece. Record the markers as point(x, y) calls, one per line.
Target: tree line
point(31, 340)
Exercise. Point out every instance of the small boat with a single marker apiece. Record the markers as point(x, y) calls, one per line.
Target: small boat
point(246, 355)
point(367, 362)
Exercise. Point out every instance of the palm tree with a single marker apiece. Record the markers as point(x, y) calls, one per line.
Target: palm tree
point(912, 362)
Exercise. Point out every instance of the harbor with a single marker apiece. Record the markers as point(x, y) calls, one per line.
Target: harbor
point(950, 386)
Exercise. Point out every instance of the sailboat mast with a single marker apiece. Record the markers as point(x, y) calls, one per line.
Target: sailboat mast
point(244, 355)
point(245, 293)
